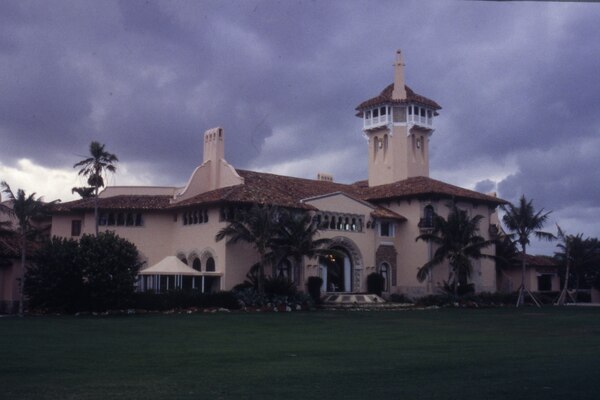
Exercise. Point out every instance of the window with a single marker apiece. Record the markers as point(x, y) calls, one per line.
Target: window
point(76, 227)
point(129, 219)
point(544, 282)
point(120, 219)
point(138, 219)
point(196, 264)
point(386, 229)
point(201, 216)
point(103, 219)
point(111, 219)
point(210, 265)
point(428, 216)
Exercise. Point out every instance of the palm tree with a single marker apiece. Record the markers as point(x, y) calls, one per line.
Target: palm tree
point(523, 221)
point(458, 242)
point(85, 192)
point(257, 226)
point(507, 254)
point(25, 209)
point(94, 167)
point(577, 255)
point(5, 231)
point(297, 239)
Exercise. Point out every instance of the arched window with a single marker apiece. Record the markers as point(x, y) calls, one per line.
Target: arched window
point(205, 216)
point(353, 227)
point(196, 264)
point(428, 215)
point(332, 223)
point(210, 264)
point(385, 144)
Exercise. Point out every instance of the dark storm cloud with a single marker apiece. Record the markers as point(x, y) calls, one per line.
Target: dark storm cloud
point(517, 82)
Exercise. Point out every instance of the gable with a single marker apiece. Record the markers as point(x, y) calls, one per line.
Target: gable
point(339, 202)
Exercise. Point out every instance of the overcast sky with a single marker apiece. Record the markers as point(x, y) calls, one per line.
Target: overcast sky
point(519, 83)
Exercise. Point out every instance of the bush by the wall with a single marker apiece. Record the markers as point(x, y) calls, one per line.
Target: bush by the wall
point(400, 298)
point(314, 284)
point(279, 285)
point(97, 273)
point(375, 283)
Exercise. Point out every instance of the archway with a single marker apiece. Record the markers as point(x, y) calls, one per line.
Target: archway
point(336, 271)
point(341, 272)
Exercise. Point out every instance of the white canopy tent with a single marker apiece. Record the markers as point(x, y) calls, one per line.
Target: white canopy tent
point(169, 266)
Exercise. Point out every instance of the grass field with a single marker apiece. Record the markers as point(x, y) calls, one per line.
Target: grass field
point(434, 354)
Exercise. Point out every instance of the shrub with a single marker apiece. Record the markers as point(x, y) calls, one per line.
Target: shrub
point(314, 284)
point(250, 297)
point(110, 267)
point(54, 281)
point(279, 285)
point(400, 298)
point(179, 299)
point(375, 283)
point(95, 274)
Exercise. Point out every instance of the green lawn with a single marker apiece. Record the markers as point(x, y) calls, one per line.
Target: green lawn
point(435, 354)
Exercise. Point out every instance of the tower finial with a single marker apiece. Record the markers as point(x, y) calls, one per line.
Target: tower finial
point(399, 92)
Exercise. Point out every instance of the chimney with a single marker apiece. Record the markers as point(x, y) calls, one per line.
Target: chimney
point(321, 176)
point(214, 149)
point(399, 92)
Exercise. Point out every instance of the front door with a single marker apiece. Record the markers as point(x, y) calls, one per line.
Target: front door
point(336, 272)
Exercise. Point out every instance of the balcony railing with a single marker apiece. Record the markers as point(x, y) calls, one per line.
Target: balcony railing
point(420, 120)
point(374, 122)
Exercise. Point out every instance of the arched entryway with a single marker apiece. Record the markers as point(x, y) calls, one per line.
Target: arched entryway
point(341, 272)
point(336, 271)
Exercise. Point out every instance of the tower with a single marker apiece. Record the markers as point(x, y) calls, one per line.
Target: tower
point(397, 124)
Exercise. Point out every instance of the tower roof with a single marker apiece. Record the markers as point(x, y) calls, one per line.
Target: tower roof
point(385, 97)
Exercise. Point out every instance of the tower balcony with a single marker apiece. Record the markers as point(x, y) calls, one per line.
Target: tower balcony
point(412, 114)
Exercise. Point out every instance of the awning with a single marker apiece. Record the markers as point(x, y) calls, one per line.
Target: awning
point(170, 265)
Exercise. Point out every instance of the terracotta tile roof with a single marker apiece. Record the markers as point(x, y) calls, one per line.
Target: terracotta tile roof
point(286, 191)
point(538, 261)
point(382, 212)
point(137, 202)
point(264, 188)
point(421, 186)
point(10, 247)
point(386, 97)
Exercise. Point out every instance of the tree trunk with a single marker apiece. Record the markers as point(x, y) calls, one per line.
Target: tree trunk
point(96, 211)
point(522, 289)
point(22, 284)
point(564, 292)
point(260, 279)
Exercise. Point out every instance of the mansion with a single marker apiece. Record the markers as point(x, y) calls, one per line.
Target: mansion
point(373, 222)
